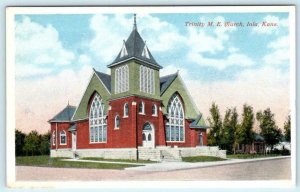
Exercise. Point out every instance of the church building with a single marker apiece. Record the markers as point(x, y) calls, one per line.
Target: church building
point(133, 113)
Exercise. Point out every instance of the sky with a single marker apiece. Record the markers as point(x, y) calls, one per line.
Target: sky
point(229, 65)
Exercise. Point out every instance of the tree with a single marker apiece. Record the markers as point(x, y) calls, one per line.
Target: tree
point(45, 143)
point(244, 133)
point(32, 143)
point(287, 129)
point(269, 130)
point(213, 137)
point(19, 142)
point(227, 133)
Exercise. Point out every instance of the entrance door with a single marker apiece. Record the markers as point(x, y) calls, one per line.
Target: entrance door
point(74, 140)
point(148, 136)
point(200, 139)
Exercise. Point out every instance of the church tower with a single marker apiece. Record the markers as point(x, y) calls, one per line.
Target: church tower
point(135, 71)
point(135, 101)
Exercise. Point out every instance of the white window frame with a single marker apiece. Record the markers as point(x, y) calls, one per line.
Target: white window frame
point(155, 112)
point(117, 117)
point(175, 106)
point(53, 138)
point(147, 80)
point(124, 110)
point(121, 79)
point(97, 121)
point(143, 108)
point(62, 134)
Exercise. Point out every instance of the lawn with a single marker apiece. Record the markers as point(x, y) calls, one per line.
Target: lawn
point(46, 161)
point(201, 159)
point(250, 156)
point(118, 160)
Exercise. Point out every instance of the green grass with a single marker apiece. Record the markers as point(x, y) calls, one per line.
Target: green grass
point(46, 161)
point(201, 159)
point(118, 160)
point(250, 156)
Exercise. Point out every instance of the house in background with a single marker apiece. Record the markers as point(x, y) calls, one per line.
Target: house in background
point(132, 113)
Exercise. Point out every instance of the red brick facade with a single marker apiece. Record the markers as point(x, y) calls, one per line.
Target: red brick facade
point(129, 134)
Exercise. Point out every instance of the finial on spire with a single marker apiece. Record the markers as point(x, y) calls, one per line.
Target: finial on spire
point(134, 22)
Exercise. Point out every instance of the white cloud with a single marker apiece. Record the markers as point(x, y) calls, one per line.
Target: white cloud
point(171, 69)
point(39, 101)
point(111, 31)
point(261, 88)
point(37, 46)
point(109, 35)
point(278, 52)
point(202, 42)
point(268, 30)
point(237, 59)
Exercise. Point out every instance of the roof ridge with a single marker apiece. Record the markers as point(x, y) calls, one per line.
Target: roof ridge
point(176, 73)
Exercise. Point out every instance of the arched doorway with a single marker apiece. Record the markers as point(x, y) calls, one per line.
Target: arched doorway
point(148, 135)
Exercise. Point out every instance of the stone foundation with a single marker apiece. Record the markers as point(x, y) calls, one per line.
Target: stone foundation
point(162, 153)
point(120, 153)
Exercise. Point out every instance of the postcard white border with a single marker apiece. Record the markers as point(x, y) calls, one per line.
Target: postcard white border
point(10, 97)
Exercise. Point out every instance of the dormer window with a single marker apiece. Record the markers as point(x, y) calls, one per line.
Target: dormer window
point(145, 52)
point(123, 50)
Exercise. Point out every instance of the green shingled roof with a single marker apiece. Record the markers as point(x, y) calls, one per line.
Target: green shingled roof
point(166, 81)
point(105, 78)
point(65, 115)
point(198, 123)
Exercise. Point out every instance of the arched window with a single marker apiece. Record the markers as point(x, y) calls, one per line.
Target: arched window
point(97, 120)
point(142, 107)
point(122, 79)
point(126, 109)
point(63, 138)
point(117, 122)
point(154, 110)
point(146, 80)
point(53, 138)
point(175, 123)
point(200, 138)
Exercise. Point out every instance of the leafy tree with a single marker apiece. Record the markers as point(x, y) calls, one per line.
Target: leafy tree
point(269, 130)
point(287, 129)
point(227, 134)
point(45, 143)
point(32, 143)
point(213, 137)
point(19, 142)
point(244, 133)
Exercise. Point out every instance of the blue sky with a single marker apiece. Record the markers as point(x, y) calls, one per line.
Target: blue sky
point(74, 31)
point(213, 60)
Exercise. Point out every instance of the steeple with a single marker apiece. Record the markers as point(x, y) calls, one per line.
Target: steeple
point(135, 48)
point(134, 23)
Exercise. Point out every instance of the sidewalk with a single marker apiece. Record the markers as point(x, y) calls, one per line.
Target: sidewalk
point(171, 166)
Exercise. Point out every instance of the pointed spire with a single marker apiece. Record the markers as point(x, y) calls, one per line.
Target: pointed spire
point(134, 22)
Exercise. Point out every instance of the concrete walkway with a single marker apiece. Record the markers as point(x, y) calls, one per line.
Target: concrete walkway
point(171, 166)
point(108, 162)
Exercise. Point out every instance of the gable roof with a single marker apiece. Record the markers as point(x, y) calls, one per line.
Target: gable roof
point(197, 124)
point(105, 78)
point(65, 115)
point(134, 47)
point(166, 81)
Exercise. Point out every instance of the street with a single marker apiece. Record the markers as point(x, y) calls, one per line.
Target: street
point(275, 169)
